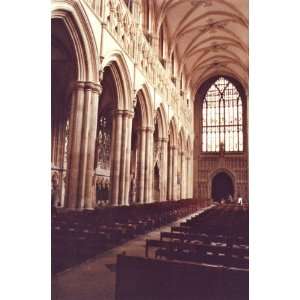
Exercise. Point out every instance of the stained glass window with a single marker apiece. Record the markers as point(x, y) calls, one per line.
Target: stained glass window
point(222, 118)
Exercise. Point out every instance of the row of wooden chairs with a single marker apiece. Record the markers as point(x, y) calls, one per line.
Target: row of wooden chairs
point(77, 236)
point(198, 251)
point(145, 278)
point(216, 236)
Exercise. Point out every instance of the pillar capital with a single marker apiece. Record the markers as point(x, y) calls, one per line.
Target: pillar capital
point(124, 112)
point(88, 85)
point(118, 112)
point(128, 113)
point(78, 85)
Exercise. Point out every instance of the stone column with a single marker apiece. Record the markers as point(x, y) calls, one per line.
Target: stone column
point(174, 174)
point(170, 174)
point(124, 140)
point(125, 157)
point(163, 169)
point(84, 145)
point(76, 119)
point(116, 157)
point(141, 165)
point(129, 117)
point(182, 171)
point(148, 196)
point(188, 177)
point(90, 201)
point(191, 170)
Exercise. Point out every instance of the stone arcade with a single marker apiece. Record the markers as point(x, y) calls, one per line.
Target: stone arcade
point(128, 83)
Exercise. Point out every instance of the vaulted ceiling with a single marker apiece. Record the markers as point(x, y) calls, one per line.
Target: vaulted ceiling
point(210, 37)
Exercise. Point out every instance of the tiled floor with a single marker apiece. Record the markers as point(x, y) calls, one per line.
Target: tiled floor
point(95, 278)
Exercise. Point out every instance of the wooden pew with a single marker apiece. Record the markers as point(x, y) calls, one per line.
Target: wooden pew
point(200, 252)
point(139, 278)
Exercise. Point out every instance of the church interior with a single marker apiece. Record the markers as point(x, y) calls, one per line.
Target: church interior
point(149, 149)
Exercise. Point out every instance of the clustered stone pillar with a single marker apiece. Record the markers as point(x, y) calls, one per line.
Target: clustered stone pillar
point(116, 156)
point(182, 169)
point(81, 155)
point(141, 166)
point(163, 169)
point(170, 173)
point(90, 200)
point(81, 151)
point(174, 173)
point(188, 177)
point(172, 188)
point(128, 116)
point(148, 193)
point(121, 147)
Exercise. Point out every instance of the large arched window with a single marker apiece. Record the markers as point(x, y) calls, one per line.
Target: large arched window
point(222, 118)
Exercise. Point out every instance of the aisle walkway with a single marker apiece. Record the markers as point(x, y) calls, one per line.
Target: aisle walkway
point(95, 278)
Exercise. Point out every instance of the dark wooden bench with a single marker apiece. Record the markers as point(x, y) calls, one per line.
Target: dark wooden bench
point(200, 252)
point(140, 278)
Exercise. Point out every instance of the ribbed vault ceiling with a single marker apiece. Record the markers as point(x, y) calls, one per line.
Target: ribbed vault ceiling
point(210, 36)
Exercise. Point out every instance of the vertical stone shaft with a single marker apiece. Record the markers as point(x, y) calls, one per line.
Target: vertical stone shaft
point(148, 165)
point(128, 157)
point(174, 174)
point(141, 165)
point(188, 177)
point(182, 171)
point(84, 146)
point(76, 116)
point(170, 174)
point(116, 159)
point(90, 202)
point(164, 170)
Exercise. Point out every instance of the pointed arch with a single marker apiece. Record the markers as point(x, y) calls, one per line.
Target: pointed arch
point(228, 172)
point(162, 122)
point(144, 98)
point(173, 133)
point(73, 16)
point(217, 73)
point(117, 63)
point(182, 140)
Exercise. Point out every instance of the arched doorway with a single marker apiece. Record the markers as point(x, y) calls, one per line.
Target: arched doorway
point(113, 127)
point(222, 187)
point(63, 74)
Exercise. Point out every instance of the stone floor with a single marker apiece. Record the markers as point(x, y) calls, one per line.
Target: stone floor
point(95, 278)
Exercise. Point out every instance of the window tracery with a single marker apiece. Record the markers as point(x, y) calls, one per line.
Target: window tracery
point(103, 142)
point(222, 118)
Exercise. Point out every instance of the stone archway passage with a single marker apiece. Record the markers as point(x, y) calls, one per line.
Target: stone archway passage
point(222, 187)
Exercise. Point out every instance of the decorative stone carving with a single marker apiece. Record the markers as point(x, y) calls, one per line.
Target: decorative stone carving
point(122, 26)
